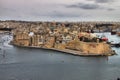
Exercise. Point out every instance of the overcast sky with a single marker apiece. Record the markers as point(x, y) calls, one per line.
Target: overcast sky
point(60, 10)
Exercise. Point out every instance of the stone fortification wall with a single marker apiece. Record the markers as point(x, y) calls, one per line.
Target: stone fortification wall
point(89, 47)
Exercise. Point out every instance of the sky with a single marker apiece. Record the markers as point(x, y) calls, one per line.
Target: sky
point(60, 10)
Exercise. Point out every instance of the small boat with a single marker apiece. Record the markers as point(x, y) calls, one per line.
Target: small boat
point(115, 44)
point(118, 33)
point(104, 39)
point(113, 32)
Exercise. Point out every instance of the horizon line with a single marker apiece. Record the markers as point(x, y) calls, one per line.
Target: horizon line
point(59, 20)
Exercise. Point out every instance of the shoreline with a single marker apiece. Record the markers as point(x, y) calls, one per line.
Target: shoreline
point(68, 51)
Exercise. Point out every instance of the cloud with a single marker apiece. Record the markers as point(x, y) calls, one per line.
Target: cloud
point(90, 6)
point(111, 9)
point(52, 9)
point(64, 14)
point(84, 6)
point(101, 1)
point(104, 1)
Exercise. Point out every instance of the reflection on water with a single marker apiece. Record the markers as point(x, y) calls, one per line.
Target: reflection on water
point(38, 64)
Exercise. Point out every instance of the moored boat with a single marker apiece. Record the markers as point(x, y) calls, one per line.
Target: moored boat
point(113, 32)
point(118, 33)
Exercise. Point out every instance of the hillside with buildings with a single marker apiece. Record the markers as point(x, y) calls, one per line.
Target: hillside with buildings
point(75, 37)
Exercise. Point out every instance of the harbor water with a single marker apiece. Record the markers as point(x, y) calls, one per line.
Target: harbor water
point(36, 64)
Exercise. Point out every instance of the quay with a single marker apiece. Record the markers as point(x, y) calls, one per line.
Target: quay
point(68, 51)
